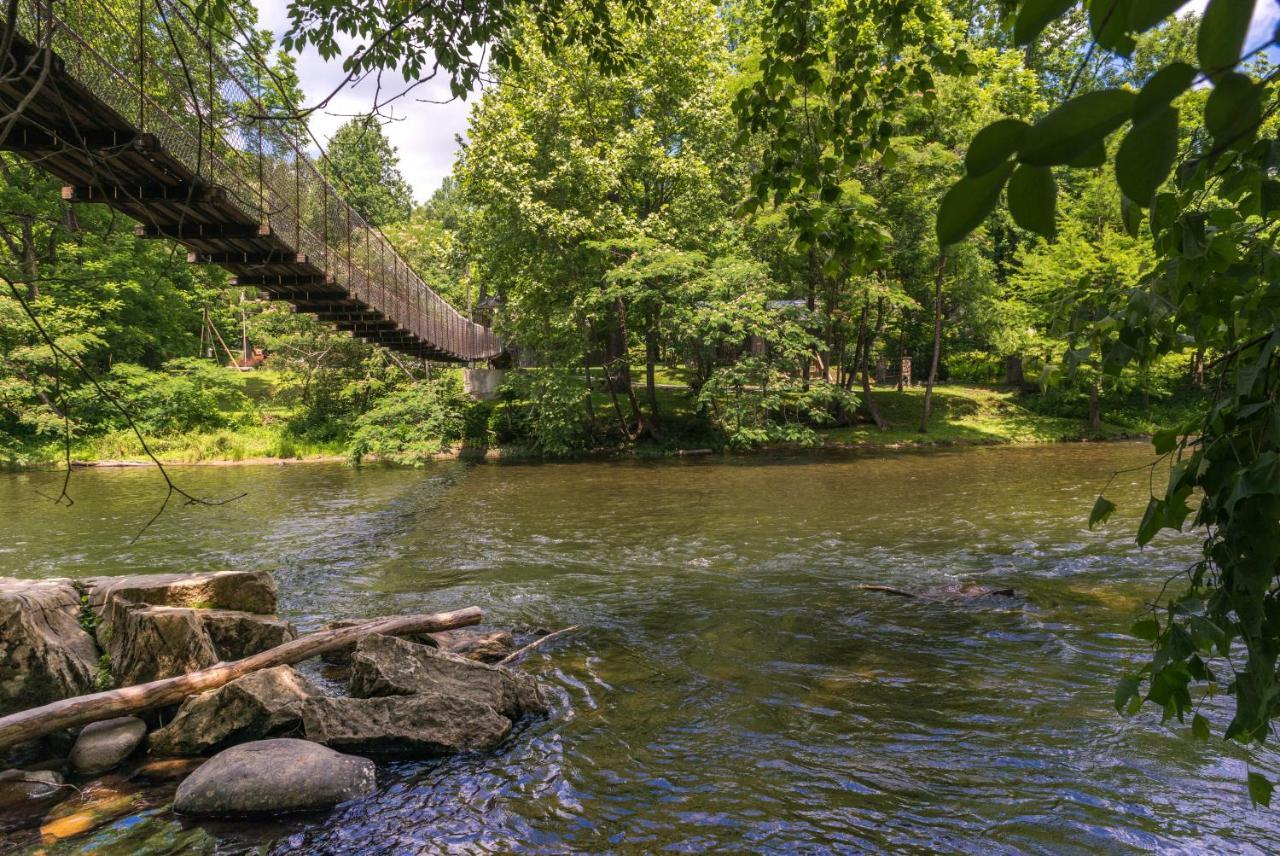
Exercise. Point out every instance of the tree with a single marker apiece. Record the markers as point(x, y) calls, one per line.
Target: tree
point(364, 167)
point(1209, 206)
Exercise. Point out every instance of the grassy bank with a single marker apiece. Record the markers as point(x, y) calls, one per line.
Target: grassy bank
point(962, 415)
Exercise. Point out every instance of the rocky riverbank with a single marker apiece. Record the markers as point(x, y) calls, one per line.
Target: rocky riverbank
point(269, 742)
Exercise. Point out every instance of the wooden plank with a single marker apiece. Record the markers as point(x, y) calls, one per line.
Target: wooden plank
point(202, 231)
point(271, 257)
point(32, 140)
point(144, 193)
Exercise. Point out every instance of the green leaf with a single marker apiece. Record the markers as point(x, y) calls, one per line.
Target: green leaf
point(1233, 111)
point(1094, 156)
point(1145, 14)
point(994, 145)
point(1260, 788)
point(1152, 521)
point(1165, 440)
point(1131, 216)
point(1146, 629)
point(1109, 22)
point(1161, 88)
point(1223, 28)
point(1145, 157)
point(968, 203)
point(1032, 197)
point(1126, 690)
point(1199, 727)
point(1034, 16)
point(1076, 126)
point(1102, 510)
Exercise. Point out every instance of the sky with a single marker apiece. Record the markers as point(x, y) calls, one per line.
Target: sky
point(426, 134)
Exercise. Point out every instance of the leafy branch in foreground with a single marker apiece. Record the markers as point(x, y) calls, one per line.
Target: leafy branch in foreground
point(1209, 202)
point(172, 488)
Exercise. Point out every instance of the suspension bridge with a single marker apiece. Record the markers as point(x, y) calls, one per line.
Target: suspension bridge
point(184, 127)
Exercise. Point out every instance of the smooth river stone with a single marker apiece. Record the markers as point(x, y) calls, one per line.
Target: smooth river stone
point(101, 746)
point(274, 777)
point(247, 591)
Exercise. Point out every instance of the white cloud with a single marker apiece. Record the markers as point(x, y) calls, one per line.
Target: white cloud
point(424, 133)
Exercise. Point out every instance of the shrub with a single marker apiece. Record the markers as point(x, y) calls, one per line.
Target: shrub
point(185, 395)
point(751, 403)
point(413, 423)
point(543, 409)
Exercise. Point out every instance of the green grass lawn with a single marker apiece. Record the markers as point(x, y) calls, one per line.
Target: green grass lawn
point(964, 414)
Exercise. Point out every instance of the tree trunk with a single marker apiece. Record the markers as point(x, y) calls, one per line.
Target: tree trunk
point(937, 343)
point(29, 724)
point(650, 365)
point(1095, 407)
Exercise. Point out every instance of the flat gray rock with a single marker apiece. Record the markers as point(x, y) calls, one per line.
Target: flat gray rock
point(274, 777)
point(388, 666)
point(258, 705)
point(425, 724)
point(45, 655)
point(101, 746)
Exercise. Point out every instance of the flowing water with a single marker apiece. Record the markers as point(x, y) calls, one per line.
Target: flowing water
point(733, 689)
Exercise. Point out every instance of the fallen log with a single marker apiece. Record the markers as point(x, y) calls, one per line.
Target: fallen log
point(38, 721)
point(537, 643)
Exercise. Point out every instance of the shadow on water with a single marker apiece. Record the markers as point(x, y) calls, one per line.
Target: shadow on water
point(734, 689)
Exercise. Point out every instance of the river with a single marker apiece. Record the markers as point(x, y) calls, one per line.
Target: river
point(733, 688)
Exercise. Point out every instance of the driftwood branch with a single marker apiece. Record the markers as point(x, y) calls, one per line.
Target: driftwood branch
point(885, 590)
point(536, 643)
point(68, 713)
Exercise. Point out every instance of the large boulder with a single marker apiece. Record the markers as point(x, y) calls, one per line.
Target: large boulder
point(237, 634)
point(146, 643)
point(247, 591)
point(101, 746)
point(475, 643)
point(25, 796)
point(44, 653)
point(258, 705)
point(388, 666)
point(425, 724)
point(273, 777)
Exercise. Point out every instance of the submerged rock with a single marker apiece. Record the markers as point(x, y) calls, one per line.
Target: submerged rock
point(425, 724)
point(485, 646)
point(101, 746)
point(165, 770)
point(258, 705)
point(45, 654)
point(273, 777)
point(26, 795)
point(247, 591)
point(388, 666)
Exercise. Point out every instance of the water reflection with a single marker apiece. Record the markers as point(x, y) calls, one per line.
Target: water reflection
point(734, 688)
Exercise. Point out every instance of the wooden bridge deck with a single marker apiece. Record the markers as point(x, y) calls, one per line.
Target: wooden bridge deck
point(354, 281)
